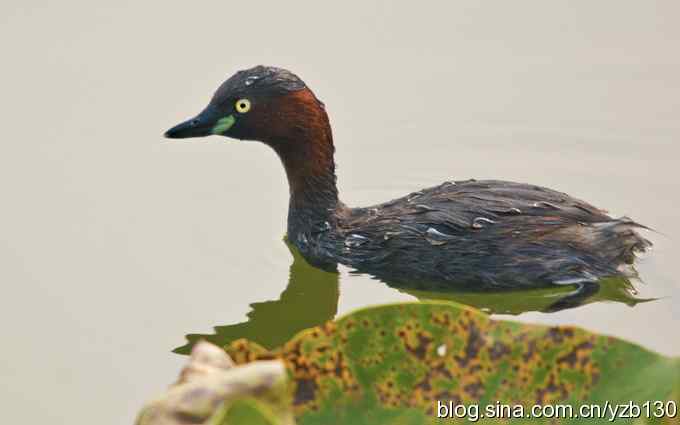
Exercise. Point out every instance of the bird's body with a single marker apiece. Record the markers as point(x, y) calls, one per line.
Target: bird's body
point(480, 234)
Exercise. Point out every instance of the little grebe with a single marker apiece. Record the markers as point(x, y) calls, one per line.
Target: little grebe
point(482, 234)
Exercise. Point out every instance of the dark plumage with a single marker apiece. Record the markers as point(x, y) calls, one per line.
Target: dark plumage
point(479, 234)
point(491, 234)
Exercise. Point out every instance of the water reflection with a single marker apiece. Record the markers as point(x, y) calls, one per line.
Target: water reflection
point(311, 298)
point(550, 299)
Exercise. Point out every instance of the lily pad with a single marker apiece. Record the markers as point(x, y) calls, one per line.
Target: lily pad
point(393, 365)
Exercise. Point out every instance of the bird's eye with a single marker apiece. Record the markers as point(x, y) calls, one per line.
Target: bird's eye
point(242, 106)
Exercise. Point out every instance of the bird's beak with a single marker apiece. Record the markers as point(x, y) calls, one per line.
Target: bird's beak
point(204, 124)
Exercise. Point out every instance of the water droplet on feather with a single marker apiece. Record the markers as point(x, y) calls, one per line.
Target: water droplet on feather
point(480, 222)
point(354, 240)
point(435, 237)
point(544, 204)
point(388, 235)
point(423, 207)
point(250, 80)
point(414, 195)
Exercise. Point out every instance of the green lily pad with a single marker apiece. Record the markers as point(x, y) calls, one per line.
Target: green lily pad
point(393, 365)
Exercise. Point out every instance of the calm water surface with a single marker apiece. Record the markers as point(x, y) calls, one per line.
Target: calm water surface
point(115, 243)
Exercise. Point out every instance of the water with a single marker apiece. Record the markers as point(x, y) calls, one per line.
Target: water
point(116, 243)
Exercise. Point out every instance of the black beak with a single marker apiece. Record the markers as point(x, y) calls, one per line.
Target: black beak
point(199, 126)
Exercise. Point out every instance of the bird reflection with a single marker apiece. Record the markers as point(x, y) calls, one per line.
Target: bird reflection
point(547, 300)
point(311, 298)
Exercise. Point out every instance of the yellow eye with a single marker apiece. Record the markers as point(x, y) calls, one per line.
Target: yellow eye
point(242, 106)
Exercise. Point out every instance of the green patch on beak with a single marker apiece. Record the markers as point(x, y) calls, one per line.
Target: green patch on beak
point(223, 124)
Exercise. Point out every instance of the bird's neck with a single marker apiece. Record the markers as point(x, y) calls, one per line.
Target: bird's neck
point(307, 157)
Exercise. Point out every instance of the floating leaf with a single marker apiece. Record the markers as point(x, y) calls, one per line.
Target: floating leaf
point(392, 364)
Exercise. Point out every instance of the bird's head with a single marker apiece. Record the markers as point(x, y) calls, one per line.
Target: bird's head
point(262, 103)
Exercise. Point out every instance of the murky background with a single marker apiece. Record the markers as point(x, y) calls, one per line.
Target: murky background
point(115, 243)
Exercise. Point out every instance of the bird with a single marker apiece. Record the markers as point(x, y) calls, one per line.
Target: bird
point(477, 234)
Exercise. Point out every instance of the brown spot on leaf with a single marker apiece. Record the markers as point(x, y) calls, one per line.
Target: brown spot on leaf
point(498, 350)
point(474, 389)
point(474, 343)
point(305, 391)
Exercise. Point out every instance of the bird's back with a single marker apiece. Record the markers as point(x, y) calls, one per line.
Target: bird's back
point(488, 234)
